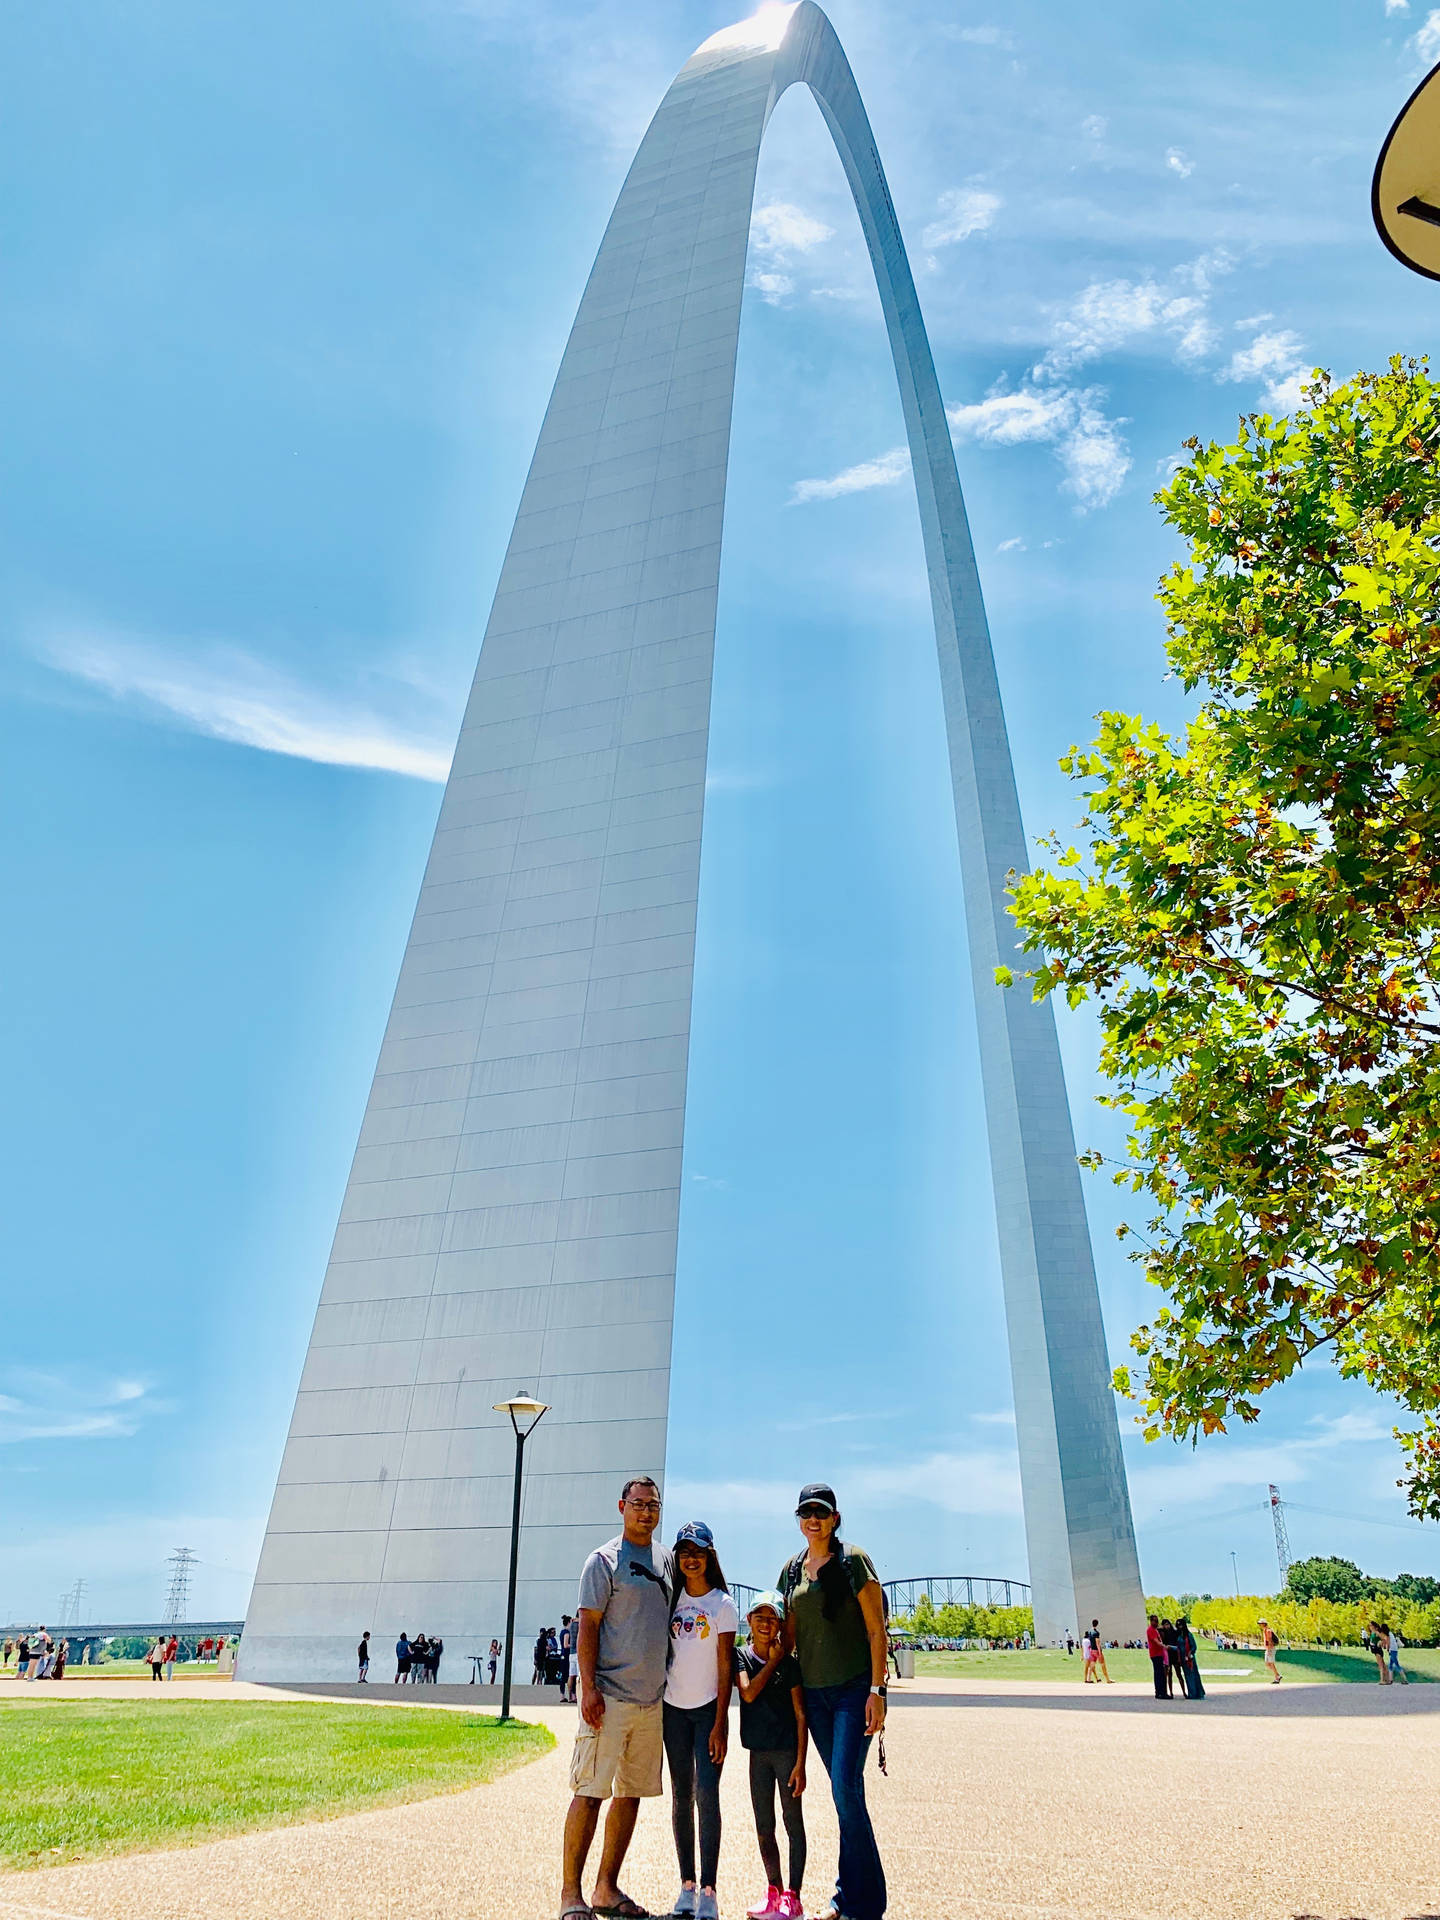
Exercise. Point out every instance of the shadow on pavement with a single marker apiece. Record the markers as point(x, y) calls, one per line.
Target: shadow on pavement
point(1317, 1701)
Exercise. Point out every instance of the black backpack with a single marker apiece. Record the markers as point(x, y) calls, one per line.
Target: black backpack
point(790, 1574)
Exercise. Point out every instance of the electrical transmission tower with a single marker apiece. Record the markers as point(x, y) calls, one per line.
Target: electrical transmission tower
point(1282, 1537)
point(71, 1604)
point(177, 1602)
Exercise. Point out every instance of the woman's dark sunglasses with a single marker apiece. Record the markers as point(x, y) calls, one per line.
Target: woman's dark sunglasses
point(813, 1513)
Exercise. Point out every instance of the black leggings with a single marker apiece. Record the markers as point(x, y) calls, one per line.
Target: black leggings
point(769, 1771)
point(694, 1778)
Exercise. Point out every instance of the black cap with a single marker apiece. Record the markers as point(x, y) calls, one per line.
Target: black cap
point(817, 1494)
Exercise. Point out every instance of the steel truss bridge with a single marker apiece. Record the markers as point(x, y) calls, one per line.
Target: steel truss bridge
point(941, 1589)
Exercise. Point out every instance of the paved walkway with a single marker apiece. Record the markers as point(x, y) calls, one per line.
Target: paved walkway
point(1027, 1801)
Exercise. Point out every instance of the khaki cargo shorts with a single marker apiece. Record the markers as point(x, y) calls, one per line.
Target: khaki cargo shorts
point(620, 1757)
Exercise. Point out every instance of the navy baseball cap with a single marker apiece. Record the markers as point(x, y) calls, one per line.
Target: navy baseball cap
point(817, 1494)
point(695, 1533)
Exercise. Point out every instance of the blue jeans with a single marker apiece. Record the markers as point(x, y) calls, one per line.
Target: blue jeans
point(837, 1726)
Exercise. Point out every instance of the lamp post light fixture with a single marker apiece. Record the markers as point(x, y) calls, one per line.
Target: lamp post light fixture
point(526, 1413)
point(1405, 192)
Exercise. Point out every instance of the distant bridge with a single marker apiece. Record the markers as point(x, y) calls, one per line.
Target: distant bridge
point(941, 1589)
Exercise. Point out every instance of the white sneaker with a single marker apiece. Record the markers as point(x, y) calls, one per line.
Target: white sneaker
point(685, 1902)
point(707, 1907)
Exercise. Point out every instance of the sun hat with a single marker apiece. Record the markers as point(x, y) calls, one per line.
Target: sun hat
point(817, 1494)
point(774, 1601)
point(695, 1533)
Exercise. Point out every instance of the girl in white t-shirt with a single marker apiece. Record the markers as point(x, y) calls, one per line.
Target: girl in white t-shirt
point(703, 1624)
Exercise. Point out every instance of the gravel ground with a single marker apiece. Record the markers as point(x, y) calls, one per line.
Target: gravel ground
point(1318, 1802)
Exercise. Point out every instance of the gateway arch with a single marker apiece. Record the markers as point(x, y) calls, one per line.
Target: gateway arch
point(510, 1218)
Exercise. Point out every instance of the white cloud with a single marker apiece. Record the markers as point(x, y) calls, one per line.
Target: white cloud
point(1094, 126)
point(1089, 446)
point(987, 37)
point(772, 287)
point(231, 695)
point(884, 471)
point(963, 211)
point(778, 232)
point(1178, 161)
point(1013, 545)
point(70, 1405)
point(1185, 1477)
point(1396, 6)
point(980, 1480)
point(1427, 41)
point(1277, 361)
point(778, 228)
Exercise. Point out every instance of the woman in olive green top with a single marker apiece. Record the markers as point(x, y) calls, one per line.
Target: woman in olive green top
point(835, 1623)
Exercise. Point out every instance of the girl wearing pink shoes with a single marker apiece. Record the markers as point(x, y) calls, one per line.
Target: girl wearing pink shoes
point(773, 1731)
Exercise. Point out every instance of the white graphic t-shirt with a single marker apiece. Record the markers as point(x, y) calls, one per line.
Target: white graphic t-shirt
point(693, 1679)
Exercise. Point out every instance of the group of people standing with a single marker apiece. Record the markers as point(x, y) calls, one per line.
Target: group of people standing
point(417, 1661)
point(1173, 1656)
point(655, 1641)
point(38, 1657)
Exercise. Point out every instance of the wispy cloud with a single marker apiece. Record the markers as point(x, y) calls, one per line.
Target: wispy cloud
point(1178, 161)
point(779, 232)
point(1089, 446)
point(231, 695)
point(986, 37)
point(70, 1404)
point(1108, 315)
point(978, 1480)
point(1427, 41)
point(1190, 1478)
point(1396, 6)
point(963, 211)
point(1277, 361)
point(883, 471)
point(1094, 126)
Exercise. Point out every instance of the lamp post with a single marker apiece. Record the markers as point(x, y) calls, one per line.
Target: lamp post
point(520, 1407)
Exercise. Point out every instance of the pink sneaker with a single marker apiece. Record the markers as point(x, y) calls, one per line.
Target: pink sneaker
point(770, 1908)
point(790, 1907)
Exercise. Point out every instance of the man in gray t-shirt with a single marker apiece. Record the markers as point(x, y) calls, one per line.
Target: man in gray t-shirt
point(623, 1635)
point(628, 1587)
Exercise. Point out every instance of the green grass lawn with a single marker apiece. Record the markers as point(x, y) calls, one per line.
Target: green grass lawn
point(1349, 1663)
point(89, 1777)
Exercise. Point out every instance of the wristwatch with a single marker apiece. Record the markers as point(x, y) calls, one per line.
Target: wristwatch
point(882, 1690)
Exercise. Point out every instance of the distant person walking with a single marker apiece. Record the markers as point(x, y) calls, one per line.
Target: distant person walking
point(1373, 1640)
point(624, 1640)
point(1394, 1647)
point(1270, 1642)
point(1100, 1653)
point(835, 1625)
point(403, 1657)
point(1159, 1659)
point(156, 1657)
point(773, 1732)
point(494, 1659)
point(172, 1651)
point(1091, 1644)
point(362, 1655)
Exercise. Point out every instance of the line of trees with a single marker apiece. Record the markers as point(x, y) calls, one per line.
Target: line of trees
point(966, 1623)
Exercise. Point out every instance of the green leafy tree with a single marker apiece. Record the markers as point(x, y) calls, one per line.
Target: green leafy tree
point(1418, 1588)
point(1257, 917)
point(1323, 1577)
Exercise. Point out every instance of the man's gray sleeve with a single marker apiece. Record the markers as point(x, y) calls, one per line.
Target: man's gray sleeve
point(596, 1583)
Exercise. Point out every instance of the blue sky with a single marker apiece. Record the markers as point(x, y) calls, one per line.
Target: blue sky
point(286, 292)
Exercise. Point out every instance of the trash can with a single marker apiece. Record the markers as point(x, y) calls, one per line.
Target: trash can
point(905, 1661)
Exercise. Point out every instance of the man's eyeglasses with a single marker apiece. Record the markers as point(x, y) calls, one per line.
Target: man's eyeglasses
point(644, 1506)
